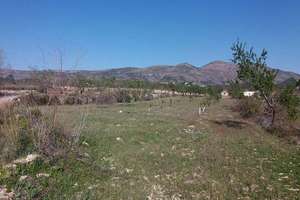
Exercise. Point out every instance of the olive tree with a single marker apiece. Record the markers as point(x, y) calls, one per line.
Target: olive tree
point(253, 70)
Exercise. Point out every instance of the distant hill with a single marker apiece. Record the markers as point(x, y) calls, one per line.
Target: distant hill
point(214, 73)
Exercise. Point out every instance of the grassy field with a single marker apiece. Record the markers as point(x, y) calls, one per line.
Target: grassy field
point(167, 151)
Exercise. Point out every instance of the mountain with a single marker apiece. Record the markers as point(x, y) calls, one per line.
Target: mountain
point(214, 73)
point(217, 72)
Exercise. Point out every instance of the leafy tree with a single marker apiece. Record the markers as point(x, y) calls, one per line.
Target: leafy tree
point(252, 69)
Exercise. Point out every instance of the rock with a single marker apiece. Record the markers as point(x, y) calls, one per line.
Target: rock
point(128, 170)
point(294, 189)
point(28, 159)
point(10, 166)
point(92, 187)
point(85, 143)
point(191, 126)
point(22, 178)
point(5, 195)
point(42, 175)
point(86, 155)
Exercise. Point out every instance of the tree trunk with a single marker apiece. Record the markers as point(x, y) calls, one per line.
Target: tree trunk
point(273, 116)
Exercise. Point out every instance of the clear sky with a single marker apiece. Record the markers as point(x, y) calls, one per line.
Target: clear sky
point(105, 34)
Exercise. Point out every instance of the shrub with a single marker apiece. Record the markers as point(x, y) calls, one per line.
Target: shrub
point(105, 98)
point(35, 99)
point(214, 92)
point(123, 96)
point(148, 97)
point(235, 90)
point(69, 100)
point(290, 102)
point(248, 106)
point(136, 95)
point(54, 100)
point(24, 130)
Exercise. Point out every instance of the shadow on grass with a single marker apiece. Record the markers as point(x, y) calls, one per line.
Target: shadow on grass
point(230, 123)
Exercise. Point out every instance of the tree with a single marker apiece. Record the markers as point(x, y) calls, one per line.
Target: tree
point(253, 70)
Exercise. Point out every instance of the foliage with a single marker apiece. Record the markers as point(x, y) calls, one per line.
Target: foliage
point(214, 92)
point(123, 96)
point(252, 69)
point(235, 90)
point(290, 101)
point(25, 130)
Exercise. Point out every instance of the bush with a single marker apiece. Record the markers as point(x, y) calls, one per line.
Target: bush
point(24, 130)
point(54, 100)
point(35, 99)
point(105, 98)
point(235, 90)
point(148, 97)
point(248, 106)
point(214, 92)
point(290, 101)
point(70, 100)
point(123, 96)
point(137, 95)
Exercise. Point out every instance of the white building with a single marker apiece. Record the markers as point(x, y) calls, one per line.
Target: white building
point(248, 93)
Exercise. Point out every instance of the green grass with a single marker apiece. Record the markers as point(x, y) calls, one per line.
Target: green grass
point(170, 152)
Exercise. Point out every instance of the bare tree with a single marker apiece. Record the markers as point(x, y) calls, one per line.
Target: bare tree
point(60, 59)
point(57, 77)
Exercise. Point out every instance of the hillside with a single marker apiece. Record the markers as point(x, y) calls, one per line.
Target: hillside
point(217, 72)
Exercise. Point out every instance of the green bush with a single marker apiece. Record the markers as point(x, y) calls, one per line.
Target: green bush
point(290, 101)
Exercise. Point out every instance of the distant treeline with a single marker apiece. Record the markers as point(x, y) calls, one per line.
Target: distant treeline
point(48, 79)
point(184, 87)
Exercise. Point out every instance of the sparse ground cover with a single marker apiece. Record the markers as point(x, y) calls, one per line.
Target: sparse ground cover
point(166, 151)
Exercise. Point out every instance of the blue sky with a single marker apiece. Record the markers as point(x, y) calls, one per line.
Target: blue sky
point(105, 34)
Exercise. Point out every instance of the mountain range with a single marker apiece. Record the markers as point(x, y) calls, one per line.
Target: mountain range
point(213, 73)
